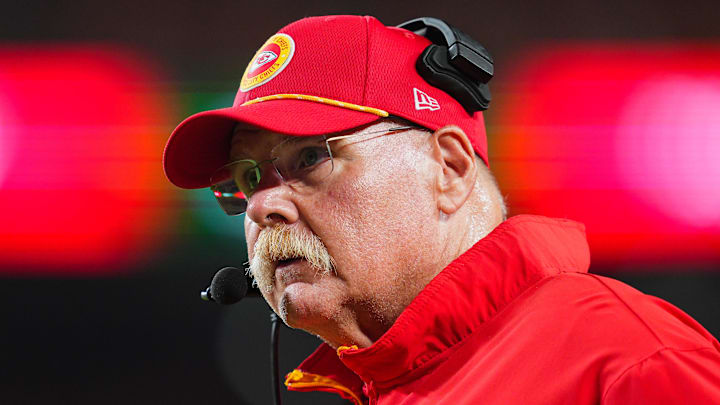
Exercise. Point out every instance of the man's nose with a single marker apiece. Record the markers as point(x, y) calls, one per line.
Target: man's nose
point(272, 202)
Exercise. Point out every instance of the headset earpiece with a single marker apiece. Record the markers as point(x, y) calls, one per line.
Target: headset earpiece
point(455, 62)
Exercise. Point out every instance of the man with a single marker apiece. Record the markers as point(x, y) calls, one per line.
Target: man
point(373, 221)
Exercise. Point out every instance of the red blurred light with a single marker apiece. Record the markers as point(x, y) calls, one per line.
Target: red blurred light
point(668, 144)
point(623, 138)
point(82, 134)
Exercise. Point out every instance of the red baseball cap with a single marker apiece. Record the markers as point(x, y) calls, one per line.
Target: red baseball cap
point(316, 76)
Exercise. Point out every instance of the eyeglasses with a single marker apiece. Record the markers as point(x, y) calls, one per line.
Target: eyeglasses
point(299, 161)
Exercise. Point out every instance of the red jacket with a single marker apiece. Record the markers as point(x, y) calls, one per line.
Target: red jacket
point(518, 320)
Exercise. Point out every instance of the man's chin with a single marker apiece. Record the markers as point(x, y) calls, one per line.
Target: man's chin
point(303, 305)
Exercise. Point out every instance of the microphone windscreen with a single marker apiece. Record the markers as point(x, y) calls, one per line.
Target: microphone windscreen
point(228, 286)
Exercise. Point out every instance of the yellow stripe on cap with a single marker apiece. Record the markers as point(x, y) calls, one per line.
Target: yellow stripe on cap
point(323, 100)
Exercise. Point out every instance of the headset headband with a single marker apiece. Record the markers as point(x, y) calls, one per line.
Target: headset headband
point(454, 62)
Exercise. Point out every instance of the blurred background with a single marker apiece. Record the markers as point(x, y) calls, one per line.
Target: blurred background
point(606, 112)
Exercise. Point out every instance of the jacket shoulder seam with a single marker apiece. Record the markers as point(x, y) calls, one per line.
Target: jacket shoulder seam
point(644, 359)
point(629, 308)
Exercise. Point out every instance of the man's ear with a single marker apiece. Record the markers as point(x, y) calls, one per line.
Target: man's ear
point(452, 150)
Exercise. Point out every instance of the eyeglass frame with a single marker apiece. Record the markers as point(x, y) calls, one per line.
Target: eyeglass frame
point(257, 164)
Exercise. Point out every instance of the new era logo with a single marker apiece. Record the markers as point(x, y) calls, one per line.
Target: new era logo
point(424, 102)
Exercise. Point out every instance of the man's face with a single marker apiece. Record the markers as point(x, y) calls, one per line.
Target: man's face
point(372, 215)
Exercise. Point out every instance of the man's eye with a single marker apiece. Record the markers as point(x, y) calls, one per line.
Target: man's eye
point(311, 156)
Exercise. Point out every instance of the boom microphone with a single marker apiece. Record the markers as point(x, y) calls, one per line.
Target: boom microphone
point(228, 286)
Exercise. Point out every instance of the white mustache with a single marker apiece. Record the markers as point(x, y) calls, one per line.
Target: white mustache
point(283, 242)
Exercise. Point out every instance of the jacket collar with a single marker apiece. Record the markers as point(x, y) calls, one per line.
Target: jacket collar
point(468, 292)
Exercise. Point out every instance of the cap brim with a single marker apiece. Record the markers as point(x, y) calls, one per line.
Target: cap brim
point(201, 143)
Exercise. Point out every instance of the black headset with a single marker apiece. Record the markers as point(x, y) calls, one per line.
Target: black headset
point(454, 62)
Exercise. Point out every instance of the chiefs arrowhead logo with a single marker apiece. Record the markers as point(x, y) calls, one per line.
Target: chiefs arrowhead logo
point(263, 58)
point(270, 60)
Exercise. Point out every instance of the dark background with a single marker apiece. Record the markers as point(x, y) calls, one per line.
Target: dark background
point(142, 336)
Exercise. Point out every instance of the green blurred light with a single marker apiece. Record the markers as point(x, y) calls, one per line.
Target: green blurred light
point(203, 217)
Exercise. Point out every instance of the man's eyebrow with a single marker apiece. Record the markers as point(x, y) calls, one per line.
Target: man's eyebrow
point(238, 129)
point(235, 140)
point(296, 139)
